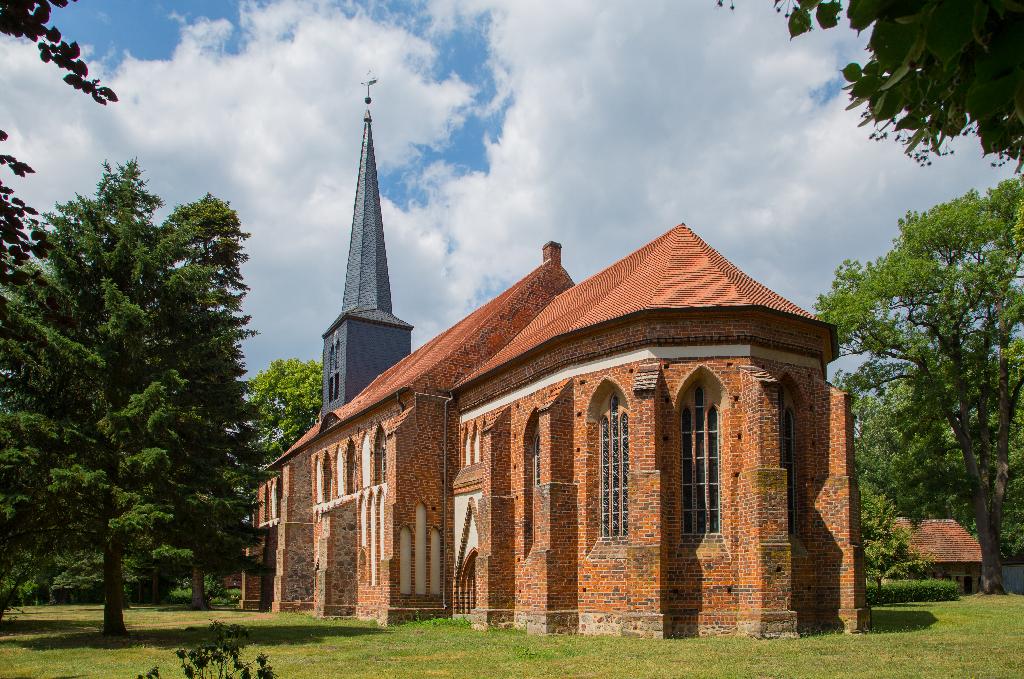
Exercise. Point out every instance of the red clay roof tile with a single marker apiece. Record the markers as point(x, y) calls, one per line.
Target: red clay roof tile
point(441, 362)
point(678, 270)
point(944, 540)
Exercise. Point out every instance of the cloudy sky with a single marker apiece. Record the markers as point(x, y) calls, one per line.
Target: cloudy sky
point(498, 126)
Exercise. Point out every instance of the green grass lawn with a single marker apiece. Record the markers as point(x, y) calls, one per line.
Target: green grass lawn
point(974, 637)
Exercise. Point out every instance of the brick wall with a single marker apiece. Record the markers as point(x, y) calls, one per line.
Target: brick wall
point(754, 576)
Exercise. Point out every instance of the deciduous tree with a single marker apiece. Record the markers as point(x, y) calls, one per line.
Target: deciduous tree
point(943, 312)
point(287, 396)
point(887, 550)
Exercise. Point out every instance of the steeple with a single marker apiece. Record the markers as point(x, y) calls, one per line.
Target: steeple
point(366, 338)
point(367, 285)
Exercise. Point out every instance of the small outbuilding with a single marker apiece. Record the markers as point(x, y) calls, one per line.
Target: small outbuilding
point(955, 553)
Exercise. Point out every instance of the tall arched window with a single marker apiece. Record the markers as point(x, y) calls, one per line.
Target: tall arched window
point(531, 478)
point(320, 480)
point(339, 471)
point(350, 469)
point(700, 461)
point(366, 463)
point(614, 470)
point(405, 561)
point(788, 455)
point(326, 464)
point(380, 457)
point(275, 499)
point(469, 446)
point(420, 550)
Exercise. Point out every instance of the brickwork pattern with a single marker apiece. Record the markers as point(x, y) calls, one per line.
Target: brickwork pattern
point(541, 560)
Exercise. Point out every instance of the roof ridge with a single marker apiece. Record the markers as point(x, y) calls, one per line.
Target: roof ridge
point(676, 270)
point(422, 362)
point(743, 281)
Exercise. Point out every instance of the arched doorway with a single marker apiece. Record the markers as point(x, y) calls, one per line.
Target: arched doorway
point(465, 589)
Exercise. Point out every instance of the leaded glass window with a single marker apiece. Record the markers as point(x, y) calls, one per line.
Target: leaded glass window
point(614, 471)
point(700, 458)
point(788, 451)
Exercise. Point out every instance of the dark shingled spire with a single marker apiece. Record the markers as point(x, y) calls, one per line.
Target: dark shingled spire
point(366, 338)
point(367, 285)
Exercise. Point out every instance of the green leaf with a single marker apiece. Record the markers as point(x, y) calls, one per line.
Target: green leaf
point(827, 14)
point(799, 22)
point(916, 139)
point(909, 123)
point(984, 99)
point(852, 72)
point(891, 42)
point(1004, 52)
point(897, 76)
point(887, 105)
point(863, 13)
point(950, 29)
point(866, 86)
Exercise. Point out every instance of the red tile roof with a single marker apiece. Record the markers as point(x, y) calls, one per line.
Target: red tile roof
point(675, 271)
point(441, 362)
point(944, 540)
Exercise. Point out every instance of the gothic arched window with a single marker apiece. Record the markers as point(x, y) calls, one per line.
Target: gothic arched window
point(380, 455)
point(614, 470)
point(788, 461)
point(350, 469)
point(275, 499)
point(531, 472)
point(700, 461)
point(319, 480)
point(326, 471)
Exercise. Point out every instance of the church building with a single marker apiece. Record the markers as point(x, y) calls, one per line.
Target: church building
point(652, 451)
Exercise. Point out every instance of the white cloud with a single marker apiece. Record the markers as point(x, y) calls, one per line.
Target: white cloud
point(618, 123)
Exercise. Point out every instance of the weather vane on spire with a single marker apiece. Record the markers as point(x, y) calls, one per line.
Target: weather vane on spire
point(370, 80)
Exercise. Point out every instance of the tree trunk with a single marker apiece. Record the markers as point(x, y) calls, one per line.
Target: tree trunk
point(991, 562)
point(113, 591)
point(198, 590)
point(156, 586)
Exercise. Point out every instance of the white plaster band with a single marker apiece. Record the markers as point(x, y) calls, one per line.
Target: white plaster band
point(650, 353)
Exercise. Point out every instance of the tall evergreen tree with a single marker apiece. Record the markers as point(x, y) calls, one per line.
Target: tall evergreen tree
point(220, 463)
point(138, 367)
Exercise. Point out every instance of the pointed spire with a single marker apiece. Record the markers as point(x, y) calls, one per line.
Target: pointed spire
point(367, 285)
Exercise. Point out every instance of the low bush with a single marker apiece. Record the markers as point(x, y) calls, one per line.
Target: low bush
point(180, 595)
point(903, 591)
point(229, 597)
point(220, 658)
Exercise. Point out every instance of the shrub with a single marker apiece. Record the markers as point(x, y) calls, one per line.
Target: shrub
point(220, 658)
point(180, 595)
point(230, 596)
point(902, 591)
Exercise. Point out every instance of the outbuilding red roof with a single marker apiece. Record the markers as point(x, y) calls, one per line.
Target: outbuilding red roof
point(944, 540)
point(678, 270)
